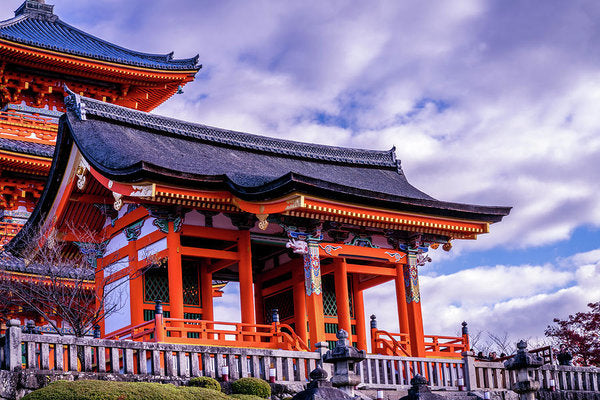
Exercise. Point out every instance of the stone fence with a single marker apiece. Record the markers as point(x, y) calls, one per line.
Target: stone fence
point(50, 354)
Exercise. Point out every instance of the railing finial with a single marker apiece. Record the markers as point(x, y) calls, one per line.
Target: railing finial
point(373, 321)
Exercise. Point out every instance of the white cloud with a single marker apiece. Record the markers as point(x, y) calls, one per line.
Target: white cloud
point(521, 300)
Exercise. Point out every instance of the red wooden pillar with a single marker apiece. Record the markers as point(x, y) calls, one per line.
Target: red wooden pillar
point(245, 275)
point(207, 292)
point(136, 295)
point(300, 302)
point(258, 302)
point(175, 276)
point(401, 299)
point(413, 300)
point(359, 314)
point(342, 295)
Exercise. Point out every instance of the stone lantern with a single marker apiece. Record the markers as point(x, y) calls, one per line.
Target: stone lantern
point(525, 364)
point(345, 359)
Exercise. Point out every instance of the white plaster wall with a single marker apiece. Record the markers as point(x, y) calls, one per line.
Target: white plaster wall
point(223, 222)
point(118, 241)
point(148, 227)
point(119, 297)
point(381, 241)
point(194, 218)
point(116, 266)
point(152, 249)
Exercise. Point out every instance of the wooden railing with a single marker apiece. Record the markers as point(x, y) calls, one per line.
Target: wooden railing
point(545, 352)
point(20, 125)
point(7, 231)
point(445, 346)
point(390, 344)
point(398, 344)
point(213, 333)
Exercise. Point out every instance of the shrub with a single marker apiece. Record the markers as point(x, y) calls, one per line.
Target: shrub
point(106, 390)
point(254, 386)
point(205, 382)
point(246, 396)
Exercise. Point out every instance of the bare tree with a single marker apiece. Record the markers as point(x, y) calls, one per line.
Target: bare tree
point(502, 342)
point(55, 280)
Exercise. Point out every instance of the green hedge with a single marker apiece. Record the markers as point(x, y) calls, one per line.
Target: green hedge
point(253, 386)
point(205, 382)
point(245, 396)
point(105, 390)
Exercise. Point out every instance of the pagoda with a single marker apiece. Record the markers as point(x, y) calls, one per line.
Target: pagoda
point(304, 229)
point(39, 55)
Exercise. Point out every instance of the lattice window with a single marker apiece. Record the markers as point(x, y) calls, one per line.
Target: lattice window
point(329, 304)
point(156, 285)
point(283, 301)
point(149, 315)
point(191, 290)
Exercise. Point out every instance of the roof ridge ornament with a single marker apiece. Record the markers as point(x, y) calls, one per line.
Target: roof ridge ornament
point(74, 103)
point(36, 9)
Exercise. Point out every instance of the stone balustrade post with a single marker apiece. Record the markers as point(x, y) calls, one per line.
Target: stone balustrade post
point(470, 376)
point(12, 350)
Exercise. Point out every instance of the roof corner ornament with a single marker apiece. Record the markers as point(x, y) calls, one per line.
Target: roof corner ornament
point(74, 104)
point(118, 204)
point(262, 221)
point(81, 172)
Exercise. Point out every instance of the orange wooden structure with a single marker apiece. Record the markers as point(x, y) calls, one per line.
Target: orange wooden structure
point(180, 209)
point(303, 229)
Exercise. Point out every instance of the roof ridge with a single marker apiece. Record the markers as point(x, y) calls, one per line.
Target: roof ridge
point(84, 106)
point(47, 24)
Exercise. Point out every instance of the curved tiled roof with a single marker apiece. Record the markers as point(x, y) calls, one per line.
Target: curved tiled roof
point(23, 147)
point(131, 146)
point(35, 25)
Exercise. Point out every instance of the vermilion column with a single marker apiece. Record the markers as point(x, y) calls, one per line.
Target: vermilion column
point(207, 292)
point(245, 275)
point(300, 302)
point(259, 312)
point(136, 285)
point(401, 300)
point(359, 314)
point(174, 274)
point(413, 300)
point(341, 294)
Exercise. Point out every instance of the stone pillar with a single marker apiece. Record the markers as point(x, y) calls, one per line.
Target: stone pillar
point(523, 362)
point(12, 348)
point(470, 376)
point(345, 359)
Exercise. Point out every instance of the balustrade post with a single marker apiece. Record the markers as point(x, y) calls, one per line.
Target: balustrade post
point(159, 327)
point(373, 330)
point(470, 376)
point(12, 349)
point(465, 336)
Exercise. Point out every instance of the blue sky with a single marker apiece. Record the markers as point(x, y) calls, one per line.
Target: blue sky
point(487, 102)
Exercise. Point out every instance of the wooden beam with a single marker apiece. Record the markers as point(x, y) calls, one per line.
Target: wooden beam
point(209, 233)
point(371, 270)
point(219, 265)
point(379, 280)
point(210, 253)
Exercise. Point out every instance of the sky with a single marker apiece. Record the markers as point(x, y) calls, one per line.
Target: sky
point(487, 102)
